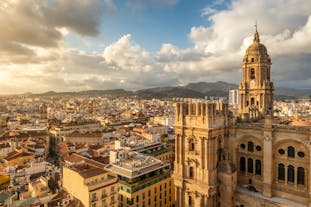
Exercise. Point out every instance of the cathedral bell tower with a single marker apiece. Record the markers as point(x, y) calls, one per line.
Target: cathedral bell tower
point(256, 89)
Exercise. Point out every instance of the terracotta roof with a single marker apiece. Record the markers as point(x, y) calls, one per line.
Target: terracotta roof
point(88, 171)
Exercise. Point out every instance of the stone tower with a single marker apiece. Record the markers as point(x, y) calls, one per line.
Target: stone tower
point(256, 89)
point(200, 128)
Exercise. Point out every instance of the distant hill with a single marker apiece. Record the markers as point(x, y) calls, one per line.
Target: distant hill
point(192, 90)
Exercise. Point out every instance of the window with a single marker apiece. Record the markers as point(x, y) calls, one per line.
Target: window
point(281, 172)
point(290, 174)
point(301, 154)
point(242, 164)
point(258, 148)
point(252, 74)
point(281, 152)
point(301, 176)
point(191, 145)
point(242, 146)
point(250, 146)
point(190, 201)
point(258, 167)
point(291, 151)
point(250, 167)
point(252, 101)
point(191, 172)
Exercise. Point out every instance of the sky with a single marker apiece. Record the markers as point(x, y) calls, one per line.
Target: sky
point(74, 45)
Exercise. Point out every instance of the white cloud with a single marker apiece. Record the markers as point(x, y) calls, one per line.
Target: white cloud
point(44, 62)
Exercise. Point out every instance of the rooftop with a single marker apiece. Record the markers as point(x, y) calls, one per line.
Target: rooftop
point(135, 164)
point(87, 171)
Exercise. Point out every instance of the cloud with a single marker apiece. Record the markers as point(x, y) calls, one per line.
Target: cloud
point(42, 61)
point(27, 25)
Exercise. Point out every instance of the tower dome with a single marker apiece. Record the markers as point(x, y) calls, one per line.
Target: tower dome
point(256, 51)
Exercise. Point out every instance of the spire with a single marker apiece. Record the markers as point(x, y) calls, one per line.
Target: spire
point(256, 35)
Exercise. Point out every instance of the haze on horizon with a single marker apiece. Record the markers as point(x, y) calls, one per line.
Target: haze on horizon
point(74, 45)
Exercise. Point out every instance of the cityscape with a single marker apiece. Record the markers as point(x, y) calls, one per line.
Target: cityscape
point(94, 114)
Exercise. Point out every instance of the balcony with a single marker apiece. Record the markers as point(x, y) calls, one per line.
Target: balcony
point(145, 182)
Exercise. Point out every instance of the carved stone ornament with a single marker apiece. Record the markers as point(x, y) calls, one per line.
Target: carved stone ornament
point(267, 138)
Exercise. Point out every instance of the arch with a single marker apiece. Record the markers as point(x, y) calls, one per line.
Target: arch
point(301, 176)
point(258, 167)
point(290, 174)
point(281, 172)
point(242, 164)
point(291, 151)
point(250, 165)
point(244, 139)
point(294, 141)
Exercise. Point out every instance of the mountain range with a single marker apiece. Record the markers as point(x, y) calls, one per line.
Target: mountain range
point(191, 90)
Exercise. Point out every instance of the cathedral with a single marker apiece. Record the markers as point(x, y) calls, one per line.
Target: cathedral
point(244, 158)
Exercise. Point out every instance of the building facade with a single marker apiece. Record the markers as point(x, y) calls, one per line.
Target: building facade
point(143, 180)
point(92, 185)
point(245, 160)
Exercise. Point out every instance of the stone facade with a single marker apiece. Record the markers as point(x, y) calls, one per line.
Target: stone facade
point(248, 160)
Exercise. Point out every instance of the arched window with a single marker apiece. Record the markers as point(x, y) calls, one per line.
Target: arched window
point(301, 176)
point(291, 151)
point(290, 174)
point(281, 172)
point(250, 146)
point(191, 145)
point(250, 167)
point(258, 167)
point(242, 164)
point(252, 74)
point(191, 174)
point(252, 101)
point(190, 201)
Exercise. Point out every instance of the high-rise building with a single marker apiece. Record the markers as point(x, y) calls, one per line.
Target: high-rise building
point(233, 98)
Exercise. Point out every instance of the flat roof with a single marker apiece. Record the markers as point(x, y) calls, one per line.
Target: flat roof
point(135, 165)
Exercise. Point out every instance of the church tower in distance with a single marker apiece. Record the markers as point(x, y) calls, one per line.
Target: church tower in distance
point(256, 89)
